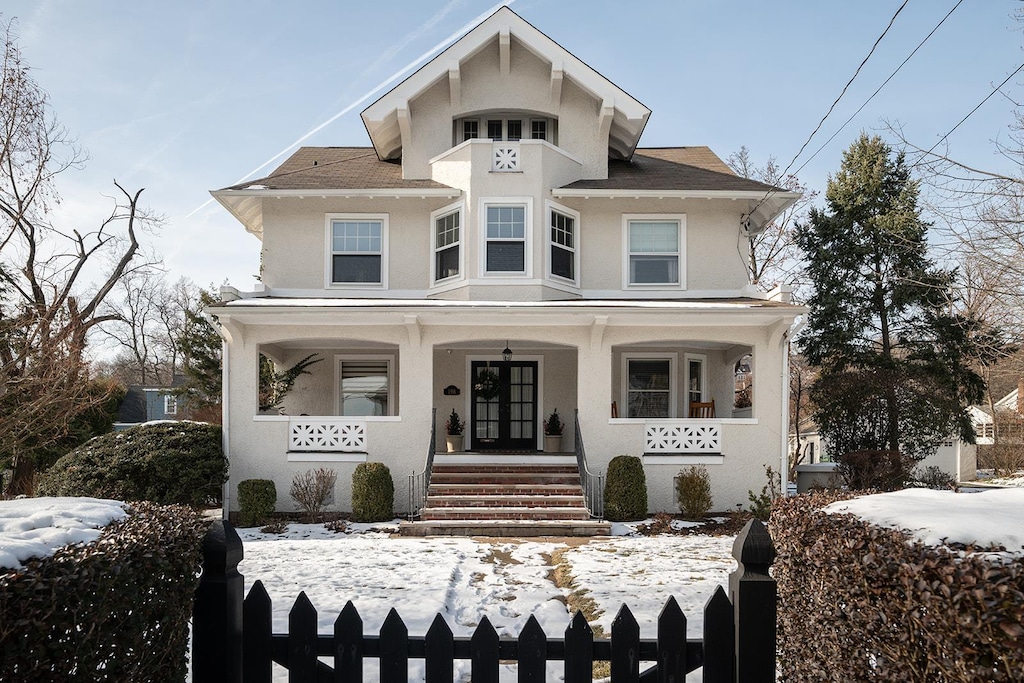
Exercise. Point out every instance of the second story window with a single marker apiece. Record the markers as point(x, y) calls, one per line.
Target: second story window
point(653, 248)
point(505, 239)
point(447, 244)
point(562, 244)
point(357, 250)
point(539, 129)
point(470, 129)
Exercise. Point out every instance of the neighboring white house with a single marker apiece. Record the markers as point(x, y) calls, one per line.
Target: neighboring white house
point(505, 206)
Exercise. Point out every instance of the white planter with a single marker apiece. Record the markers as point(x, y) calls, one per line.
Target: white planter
point(454, 442)
point(553, 444)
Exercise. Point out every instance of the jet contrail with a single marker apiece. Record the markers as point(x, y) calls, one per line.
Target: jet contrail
point(394, 77)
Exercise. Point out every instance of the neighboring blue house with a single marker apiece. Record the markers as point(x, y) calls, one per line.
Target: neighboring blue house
point(144, 403)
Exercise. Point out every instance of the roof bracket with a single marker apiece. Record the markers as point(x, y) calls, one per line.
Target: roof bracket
point(556, 84)
point(504, 50)
point(455, 84)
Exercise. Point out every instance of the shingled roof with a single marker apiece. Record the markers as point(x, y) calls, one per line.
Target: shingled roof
point(663, 168)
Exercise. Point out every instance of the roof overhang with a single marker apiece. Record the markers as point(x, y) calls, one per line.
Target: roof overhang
point(761, 207)
point(387, 118)
point(247, 205)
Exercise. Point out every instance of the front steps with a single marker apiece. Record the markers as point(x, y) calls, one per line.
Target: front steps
point(495, 495)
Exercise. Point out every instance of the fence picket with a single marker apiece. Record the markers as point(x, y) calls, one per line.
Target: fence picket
point(753, 593)
point(579, 650)
point(533, 652)
point(257, 628)
point(439, 646)
point(394, 649)
point(719, 639)
point(625, 662)
point(671, 643)
point(348, 645)
point(484, 653)
point(302, 635)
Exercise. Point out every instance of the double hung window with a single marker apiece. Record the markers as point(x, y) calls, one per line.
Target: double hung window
point(364, 386)
point(649, 387)
point(447, 244)
point(654, 250)
point(357, 247)
point(505, 239)
point(562, 243)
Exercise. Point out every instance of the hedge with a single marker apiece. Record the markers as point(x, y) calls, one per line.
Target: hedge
point(257, 499)
point(117, 609)
point(373, 493)
point(861, 602)
point(161, 462)
point(625, 489)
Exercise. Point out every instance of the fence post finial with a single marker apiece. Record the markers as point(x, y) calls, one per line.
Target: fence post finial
point(217, 611)
point(753, 593)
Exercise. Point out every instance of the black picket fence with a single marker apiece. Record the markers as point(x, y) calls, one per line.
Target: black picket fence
point(233, 639)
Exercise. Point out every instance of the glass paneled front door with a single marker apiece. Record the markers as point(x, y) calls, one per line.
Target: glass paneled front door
point(504, 415)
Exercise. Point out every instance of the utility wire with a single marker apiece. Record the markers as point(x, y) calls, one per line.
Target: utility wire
point(831, 108)
point(884, 83)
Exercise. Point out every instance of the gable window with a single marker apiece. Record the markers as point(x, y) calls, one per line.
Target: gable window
point(653, 246)
point(501, 127)
point(505, 243)
point(357, 250)
point(170, 405)
point(539, 129)
point(470, 129)
point(562, 243)
point(364, 386)
point(649, 387)
point(447, 242)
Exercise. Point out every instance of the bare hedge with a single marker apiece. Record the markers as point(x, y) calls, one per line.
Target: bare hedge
point(858, 602)
point(117, 609)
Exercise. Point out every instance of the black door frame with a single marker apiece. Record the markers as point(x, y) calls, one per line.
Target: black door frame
point(504, 440)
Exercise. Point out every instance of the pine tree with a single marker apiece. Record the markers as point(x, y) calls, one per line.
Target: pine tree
point(200, 348)
point(893, 355)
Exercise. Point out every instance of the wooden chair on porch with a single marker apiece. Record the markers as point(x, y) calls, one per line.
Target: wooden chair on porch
point(702, 409)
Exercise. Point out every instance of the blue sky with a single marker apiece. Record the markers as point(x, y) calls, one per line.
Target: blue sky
point(189, 96)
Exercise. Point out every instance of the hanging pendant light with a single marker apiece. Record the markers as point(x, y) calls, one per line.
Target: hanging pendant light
point(506, 353)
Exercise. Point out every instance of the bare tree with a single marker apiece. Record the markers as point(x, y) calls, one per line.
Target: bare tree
point(46, 310)
point(773, 257)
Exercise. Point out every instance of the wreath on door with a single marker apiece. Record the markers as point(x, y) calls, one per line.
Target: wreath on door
point(487, 384)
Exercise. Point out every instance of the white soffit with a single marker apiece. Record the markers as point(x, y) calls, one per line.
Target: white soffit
point(382, 117)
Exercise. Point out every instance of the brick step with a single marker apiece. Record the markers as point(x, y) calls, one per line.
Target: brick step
point(506, 528)
point(507, 489)
point(503, 478)
point(501, 513)
point(486, 501)
point(507, 468)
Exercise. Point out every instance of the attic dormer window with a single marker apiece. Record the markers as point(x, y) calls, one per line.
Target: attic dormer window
point(505, 128)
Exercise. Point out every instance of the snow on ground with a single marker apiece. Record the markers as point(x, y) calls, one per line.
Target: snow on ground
point(465, 579)
point(1015, 479)
point(984, 518)
point(36, 527)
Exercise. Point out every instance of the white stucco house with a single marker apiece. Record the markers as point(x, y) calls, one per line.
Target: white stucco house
point(505, 205)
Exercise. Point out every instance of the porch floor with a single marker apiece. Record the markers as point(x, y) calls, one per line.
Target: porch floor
point(507, 494)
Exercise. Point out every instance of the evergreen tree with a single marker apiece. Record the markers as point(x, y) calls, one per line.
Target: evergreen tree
point(200, 348)
point(894, 357)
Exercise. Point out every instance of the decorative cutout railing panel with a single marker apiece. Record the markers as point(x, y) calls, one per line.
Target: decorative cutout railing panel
point(690, 436)
point(505, 157)
point(326, 435)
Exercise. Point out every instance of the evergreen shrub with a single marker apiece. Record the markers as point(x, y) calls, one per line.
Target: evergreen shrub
point(373, 493)
point(162, 462)
point(693, 489)
point(625, 489)
point(256, 501)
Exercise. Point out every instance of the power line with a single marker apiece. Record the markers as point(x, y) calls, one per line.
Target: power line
point(884, 83)
point(831, 108)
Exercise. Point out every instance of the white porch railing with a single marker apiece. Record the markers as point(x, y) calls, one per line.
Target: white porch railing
point(683, 436)
point(505, 157)
point(326, 434)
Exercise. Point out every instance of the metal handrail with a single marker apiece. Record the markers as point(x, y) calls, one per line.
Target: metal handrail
point(419, 482)
point(592, 482)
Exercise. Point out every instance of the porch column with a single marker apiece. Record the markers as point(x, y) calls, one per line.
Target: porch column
point(594, 390)
point(416, 385)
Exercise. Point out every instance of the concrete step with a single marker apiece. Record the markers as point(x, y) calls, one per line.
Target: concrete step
point(500, 513)
point(506, 528)
point(520, 501)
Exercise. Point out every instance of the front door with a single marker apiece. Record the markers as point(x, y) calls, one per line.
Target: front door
point(504, 415)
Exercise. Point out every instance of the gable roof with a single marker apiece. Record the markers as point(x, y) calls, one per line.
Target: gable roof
point(383, 119)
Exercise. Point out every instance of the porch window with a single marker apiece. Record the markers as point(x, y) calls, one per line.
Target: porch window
point(562, 245)
point(695, 379)
point(653, 247)
point(364, 387)
point(505, 239)
point(447, 244)
point(649, 387)
point(357, 249)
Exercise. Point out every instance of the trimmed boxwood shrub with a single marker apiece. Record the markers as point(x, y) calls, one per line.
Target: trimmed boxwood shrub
point(162, 462)
point(693, 488)
point(256, 500)
point(117, 609)
point(373, 493)
point(625, 489)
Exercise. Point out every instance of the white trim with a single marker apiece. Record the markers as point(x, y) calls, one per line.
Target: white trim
point(299, 456)
point(642, 420)
point(680, 220)
point(345, 193)
point(338, 292)
point(527, 204)
point(549, 208)
point(703, 360)
point(673, 370)
point(454, 280)
point(564, 193)
point(168, 400)
point(329, 250)
point(391, 359)
point(655, 459)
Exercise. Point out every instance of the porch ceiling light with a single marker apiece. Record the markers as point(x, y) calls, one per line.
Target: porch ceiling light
point(506, 353)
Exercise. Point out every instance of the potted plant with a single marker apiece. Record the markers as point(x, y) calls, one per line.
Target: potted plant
point(553, 432)
point(454, 427)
